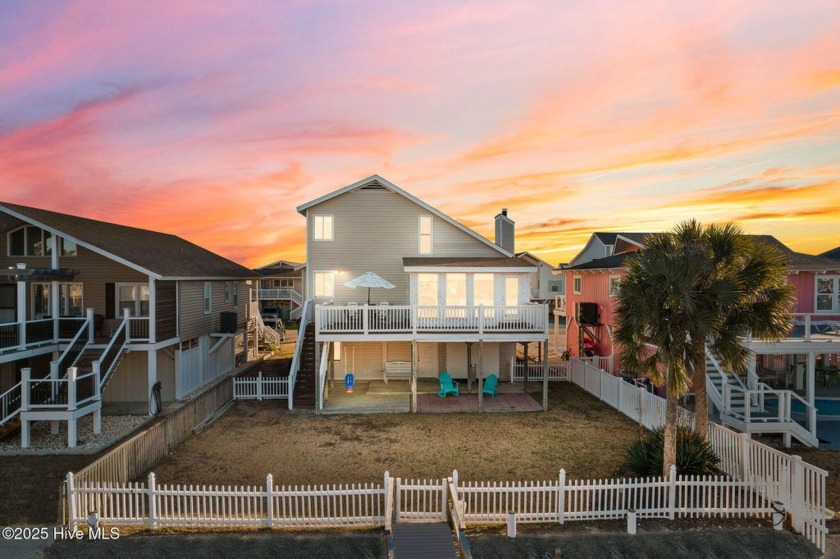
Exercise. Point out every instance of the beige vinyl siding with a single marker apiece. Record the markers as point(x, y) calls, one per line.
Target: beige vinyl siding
point(94, 272)
point(398, 351)
point(506, 351)
point(363, 359)
point(456, 359)
point(130, 382)
point(375, 230)
point(193, 321)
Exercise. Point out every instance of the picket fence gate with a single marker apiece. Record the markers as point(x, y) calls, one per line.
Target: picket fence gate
point(260, 388)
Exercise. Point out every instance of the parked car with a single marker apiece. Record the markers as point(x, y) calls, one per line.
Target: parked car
point(271, 316)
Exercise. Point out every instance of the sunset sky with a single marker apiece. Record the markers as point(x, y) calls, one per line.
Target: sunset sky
point(213, 120)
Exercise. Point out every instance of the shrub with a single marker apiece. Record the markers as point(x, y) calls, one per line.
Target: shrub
point(695, 455)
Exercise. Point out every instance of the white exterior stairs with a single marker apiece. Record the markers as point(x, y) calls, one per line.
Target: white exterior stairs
point(87, 366)
point(758, 408)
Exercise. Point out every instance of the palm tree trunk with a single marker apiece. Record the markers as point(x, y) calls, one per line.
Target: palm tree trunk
point(701, 397)
point(669, 437)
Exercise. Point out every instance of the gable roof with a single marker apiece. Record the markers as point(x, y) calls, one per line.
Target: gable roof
point(375, 181)
point(159, 255)
point(534, 259)
point(834, 254)
point(797, 261)
point(607, 239)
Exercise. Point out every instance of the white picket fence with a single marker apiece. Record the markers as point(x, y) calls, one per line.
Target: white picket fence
point(260, 388)
point(556, 371)
point(775, 475)
point(563, 500)
point(212, 507)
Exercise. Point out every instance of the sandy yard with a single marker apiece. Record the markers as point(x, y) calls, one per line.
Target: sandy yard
point(256, 438)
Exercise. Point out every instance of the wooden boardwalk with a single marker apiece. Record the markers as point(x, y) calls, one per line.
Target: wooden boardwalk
point(423, 541)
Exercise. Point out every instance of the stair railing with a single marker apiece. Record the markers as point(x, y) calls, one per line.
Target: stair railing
point(10, 403)
point(73, 350)
point(104, 366)
point(305, 319)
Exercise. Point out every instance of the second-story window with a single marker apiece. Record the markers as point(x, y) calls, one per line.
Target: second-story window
point(425, 237)
point(615, 282)
point(208, 295)
point(827, 299)
point(236, 294)
point(323, 228)
point(134, 297)
point(577, 284)
point(227, 292)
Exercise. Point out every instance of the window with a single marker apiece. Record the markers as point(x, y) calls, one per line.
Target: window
point(427, 294)
point(208, 297)
point(70, 300)
point(827, 291)
point(577, 284)
point(236, 294)
point(425, 237)
point(483, 289)
point(134, 297)
point(336, 351)
point(615, 282)
point(456, 290)
point(287, 283)
point(227, 292)
point(30, 241)
point(554, 286)
point(324, 285)
point(511, 291)
point(323, 228)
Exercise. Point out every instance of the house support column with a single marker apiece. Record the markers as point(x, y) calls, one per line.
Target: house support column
point(21, 309)
point(55, 309)
point(152, 367)
point(525, 365)
point(470, 369)
point(480, 376)
point(810, 390)
point(751, 368)
point(153, 311)
point(545, 376)
point(414, 364)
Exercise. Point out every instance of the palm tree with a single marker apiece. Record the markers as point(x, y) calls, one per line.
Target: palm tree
point(693, 287)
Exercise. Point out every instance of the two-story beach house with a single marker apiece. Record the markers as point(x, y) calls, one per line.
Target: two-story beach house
point(457, 302)
point(281, 287)
point(788, 374)
point(94, 312)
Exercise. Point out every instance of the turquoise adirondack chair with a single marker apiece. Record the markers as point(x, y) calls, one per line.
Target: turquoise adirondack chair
point(490, 384)
point(447, 385)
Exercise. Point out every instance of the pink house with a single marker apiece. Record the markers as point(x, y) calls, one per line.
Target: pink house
point(801, 364)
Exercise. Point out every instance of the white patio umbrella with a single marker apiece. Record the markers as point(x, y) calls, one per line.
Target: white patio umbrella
point(369, 279)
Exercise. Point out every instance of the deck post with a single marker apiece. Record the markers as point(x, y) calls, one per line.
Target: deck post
point(91, 327)
point(480, 376)
point(25, 374)
point(413, 382)
point(545, 376)
point(810, 389)
point(56, 298)
point(21, 309)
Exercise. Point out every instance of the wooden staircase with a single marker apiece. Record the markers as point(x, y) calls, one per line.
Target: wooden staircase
point(308, 375)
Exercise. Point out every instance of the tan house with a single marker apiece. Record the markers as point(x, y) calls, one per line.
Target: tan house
point(125, 308)
point(281, 286)
point(459, 302)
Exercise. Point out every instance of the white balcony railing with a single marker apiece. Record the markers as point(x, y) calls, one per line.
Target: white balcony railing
point(416, 319)
point(283, 293)
point(560, 305)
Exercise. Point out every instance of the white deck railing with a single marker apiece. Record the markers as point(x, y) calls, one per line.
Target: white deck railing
point(556, 371)
point(364, 319)
point(281, 293)
point(260, 388)
point(560, 304)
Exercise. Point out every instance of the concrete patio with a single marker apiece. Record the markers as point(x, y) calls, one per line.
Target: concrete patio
point(395, 397)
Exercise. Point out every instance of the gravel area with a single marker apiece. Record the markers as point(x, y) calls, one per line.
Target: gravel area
point(114, 427)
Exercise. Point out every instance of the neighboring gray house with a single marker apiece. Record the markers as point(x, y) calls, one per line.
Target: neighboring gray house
point(138, 306)
point(453, 287)
point(281, 286)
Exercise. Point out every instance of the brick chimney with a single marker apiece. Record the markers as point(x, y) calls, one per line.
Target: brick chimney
point(505, 231)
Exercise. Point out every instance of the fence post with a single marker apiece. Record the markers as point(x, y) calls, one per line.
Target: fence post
point(745, 457)
point(71, 502)
point(672, 492)
point(797, 494)
point(152, 502)
point(269, 487)
point(389, 501)
point(259, 386)
point(561, 497)
point(91, 328)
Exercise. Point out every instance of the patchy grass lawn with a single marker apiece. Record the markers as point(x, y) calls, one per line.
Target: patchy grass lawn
point(578, 433)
